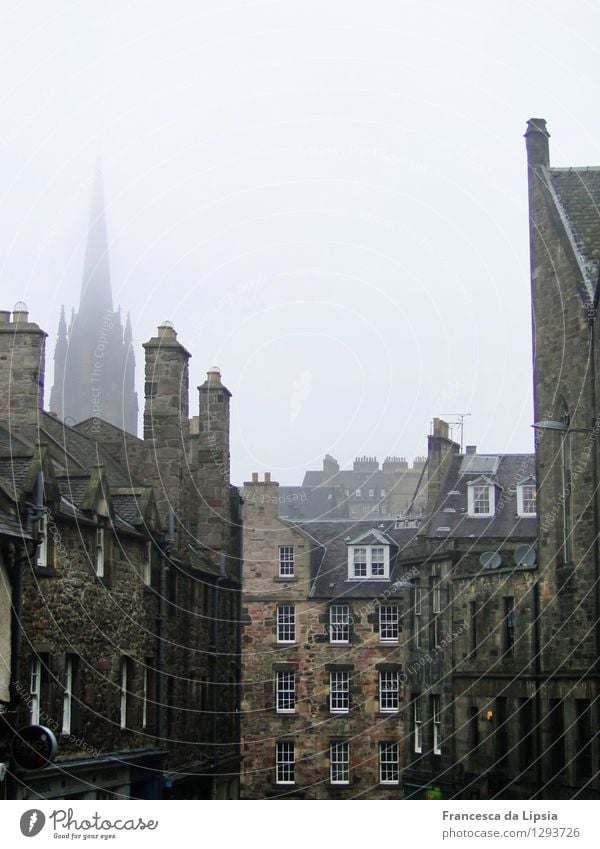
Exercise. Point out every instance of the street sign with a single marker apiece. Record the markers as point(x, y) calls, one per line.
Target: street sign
point(33, 747)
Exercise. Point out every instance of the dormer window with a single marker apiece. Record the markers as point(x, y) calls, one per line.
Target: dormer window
point(368, 562)
point(481, 498)
point(526, 498)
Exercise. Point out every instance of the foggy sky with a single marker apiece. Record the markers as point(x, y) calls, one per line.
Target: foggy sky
point(328, 199)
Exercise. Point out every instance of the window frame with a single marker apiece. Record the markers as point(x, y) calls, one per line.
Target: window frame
point(389, 691)
point(521, 500)
point(35, 690)
point(99, 553)
point(41, 559)
point(509, 625)
point(124, 692)
point(336, 626)
point(436, 722)
point(285, 691)
point(390, 623)
point(473, 500)
point(282, 624)
point(286, 562)
point(417, 725)
point(67, 695)
point(387, 763)
point(418, 611)
point(369, 562)
point(147, 571)
point(339, 690)
point(284, 765)
point(339, 762)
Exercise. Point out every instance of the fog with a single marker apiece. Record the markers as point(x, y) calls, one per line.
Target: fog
point(327, 199)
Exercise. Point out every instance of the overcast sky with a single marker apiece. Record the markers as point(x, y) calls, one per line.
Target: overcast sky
point(328, 199)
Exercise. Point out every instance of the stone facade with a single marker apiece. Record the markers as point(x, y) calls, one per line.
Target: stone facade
point(129, 611)
point(312, 659)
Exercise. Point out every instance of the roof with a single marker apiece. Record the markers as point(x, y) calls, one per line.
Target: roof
point(579, 192)
point(449, 518)
point(329, 557)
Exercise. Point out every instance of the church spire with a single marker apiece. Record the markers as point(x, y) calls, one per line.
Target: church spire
point(60, 360)
point(96, 292)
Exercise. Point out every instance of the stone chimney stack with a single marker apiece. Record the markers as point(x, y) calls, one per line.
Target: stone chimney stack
point(22, 364)
point(261, 503)
point(441, 450)
point(212, 464)
point(166, 419)
point(536, 138)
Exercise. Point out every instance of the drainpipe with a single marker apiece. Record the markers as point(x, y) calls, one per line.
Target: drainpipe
point(537, 647)
point(215, 645)
point(592, 311)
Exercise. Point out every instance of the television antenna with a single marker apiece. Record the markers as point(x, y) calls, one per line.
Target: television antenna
point(460, 423)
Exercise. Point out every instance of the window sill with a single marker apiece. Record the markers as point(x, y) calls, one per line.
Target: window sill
point(377, 579)
point(292, 579)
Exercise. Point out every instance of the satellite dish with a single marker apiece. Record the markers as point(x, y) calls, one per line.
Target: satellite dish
point(525, 555)
point(490, 560)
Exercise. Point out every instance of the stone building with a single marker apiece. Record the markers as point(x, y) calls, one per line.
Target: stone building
point(125, 638)
point(323, 654)
point(369, 490)
point(94, 365)
point(565, 261)
point(469, 628)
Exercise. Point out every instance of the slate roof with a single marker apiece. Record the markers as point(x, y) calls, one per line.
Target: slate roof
point(9, 526)
point(306, 502)
point(15, 470)
point(450, 519)
point(329, 557)
point(579, 193)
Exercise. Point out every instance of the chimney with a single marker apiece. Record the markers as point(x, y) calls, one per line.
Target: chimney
point(22, 350)
point(536, 138)
point(261, 502)
point(470, 449)
point(166, 422)
point(441, 450)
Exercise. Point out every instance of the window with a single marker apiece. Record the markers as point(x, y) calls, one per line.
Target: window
point(339, 692)
point(148, 564)
point(388, 691)
point(339, 763)
point(417, 725)
point(285, 763)
point(339, 623)
point(473, 615)
point(286, 561)
point(481, 499)
point(285, 683)
point(286, 623)
point(418, 610)
point(389, 772)
point(368, 561)
point(388, 623)
point(99, 558)
point(437, 725)
point(124, 684)
point(371, 493)
point(383, 493)
point(526, 499)
point(436, 595)
point(35, 682)
point(42, 539)
point(358, 493)
point(509, 626)
point(68, 694)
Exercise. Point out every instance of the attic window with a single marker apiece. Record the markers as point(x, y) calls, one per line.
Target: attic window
point(526, 499)
point(368, 562)
point(481, 499)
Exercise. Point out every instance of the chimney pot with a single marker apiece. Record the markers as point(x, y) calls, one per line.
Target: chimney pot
point(267, 477)
point(254, 477)
point(536, 139)
point(20, 312)
point(471, 449)
point(4, 316)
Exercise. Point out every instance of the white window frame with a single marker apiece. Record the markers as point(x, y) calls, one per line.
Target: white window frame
point(389, 762)
point(286, 623)
point(285, 691)
point(474, 508)
point(145, 697)
point(389, 691)
point(339, 691)
point(99, 553)
point(382, 572)
point(339, 623)
point(67, 695)
point(148, 564)
point(371, 493)
point(436, 594)
point(286, 561)
point(358, 493)
point(389, 619)
point(339, 763)
point(418, 613)
point(35, 689)
point(285, 762)
point(42, 534)
point(436, 721)
point(123, 693)
point(417, 725)
point(383, 493)
point(521, 500)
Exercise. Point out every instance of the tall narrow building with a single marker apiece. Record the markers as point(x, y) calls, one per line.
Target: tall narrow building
point(94, 368)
